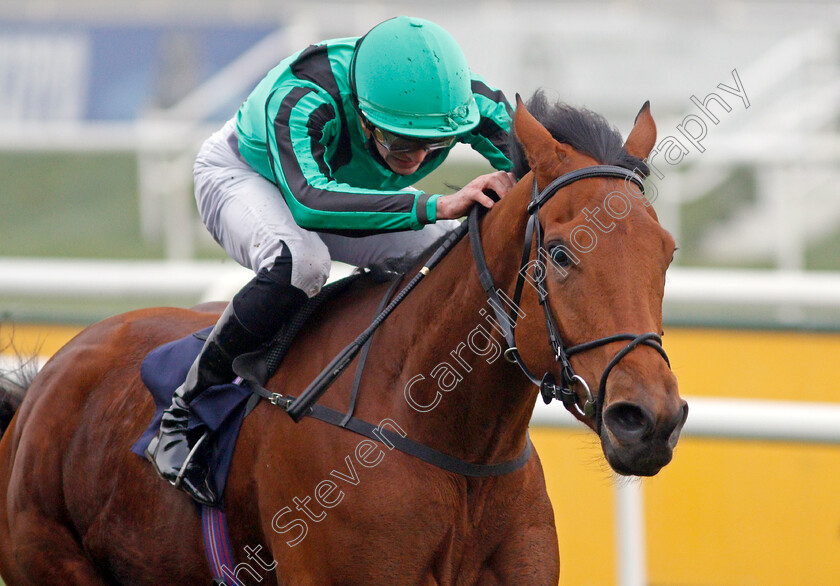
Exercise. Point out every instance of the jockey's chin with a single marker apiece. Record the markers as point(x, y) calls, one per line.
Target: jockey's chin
point(403, 163)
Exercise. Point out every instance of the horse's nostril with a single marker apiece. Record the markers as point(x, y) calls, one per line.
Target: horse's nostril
point(628, 422)
point(672, 430)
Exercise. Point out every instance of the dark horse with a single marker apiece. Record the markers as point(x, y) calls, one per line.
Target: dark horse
point(310, 503)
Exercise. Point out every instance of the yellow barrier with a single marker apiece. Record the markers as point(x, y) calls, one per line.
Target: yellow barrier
point(723, 513)
point(29, 339)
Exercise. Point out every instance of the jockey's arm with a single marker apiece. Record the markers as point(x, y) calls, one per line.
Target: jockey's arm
point(305, 127)
point(490, 137)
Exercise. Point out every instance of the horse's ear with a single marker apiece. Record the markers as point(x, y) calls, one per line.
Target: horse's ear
point(544, 154)
point(643, 136)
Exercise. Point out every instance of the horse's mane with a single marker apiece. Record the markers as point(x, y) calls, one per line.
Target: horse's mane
point(14, 380)
point(584, 130)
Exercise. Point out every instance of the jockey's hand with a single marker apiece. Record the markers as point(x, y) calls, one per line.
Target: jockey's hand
point(450, 207)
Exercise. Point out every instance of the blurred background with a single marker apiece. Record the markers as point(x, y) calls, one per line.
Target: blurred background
point(103, 105)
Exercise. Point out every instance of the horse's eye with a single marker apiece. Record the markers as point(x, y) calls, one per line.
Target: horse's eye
point(559, 254)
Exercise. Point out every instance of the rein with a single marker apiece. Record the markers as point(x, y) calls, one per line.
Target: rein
point(549, 388)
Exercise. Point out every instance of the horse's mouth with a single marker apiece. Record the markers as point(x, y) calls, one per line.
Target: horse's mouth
point(647, 461)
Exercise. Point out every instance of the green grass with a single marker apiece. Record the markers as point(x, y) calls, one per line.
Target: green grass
point(86, 206)
point(71, 206)
point(824, 255)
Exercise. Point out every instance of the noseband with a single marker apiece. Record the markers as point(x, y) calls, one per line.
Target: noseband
point(549, 388)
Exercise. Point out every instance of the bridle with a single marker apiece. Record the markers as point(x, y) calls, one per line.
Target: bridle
point(549, 388)
point(506, 321)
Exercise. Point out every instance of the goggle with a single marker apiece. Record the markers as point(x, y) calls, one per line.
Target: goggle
point(397, 143)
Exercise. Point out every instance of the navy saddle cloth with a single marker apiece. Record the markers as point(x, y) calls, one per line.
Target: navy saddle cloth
point(221, 409)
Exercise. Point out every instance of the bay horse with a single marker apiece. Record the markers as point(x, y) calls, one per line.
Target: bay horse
point(308, 503)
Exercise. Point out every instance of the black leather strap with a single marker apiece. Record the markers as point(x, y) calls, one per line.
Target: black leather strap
point(584, 173)
point(549, 388)
point(300, 407)
point(486, 278)
point(360, 365)
point(649, 339)
point(506, 321)
point(403, 444)
point(420, 451)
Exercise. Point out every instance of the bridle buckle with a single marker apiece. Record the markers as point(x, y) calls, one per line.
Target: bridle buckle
point(510, 354)
point(549, 389)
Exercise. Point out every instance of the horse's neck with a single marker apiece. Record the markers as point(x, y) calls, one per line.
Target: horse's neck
point(484, 414)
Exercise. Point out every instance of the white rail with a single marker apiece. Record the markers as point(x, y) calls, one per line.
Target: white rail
point(59, 278)
point(99, 279)
point(741, 419)
point(753, 287)
point(54, 278)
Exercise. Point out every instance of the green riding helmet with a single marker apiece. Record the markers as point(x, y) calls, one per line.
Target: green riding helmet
point(412, 78)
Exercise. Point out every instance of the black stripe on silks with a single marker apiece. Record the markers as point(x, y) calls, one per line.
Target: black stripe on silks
point(497, 135)
point(360, 233)
point(482, 89)
point(422, 216)
point(321, 199)
point(313, 64)
point(319, 117)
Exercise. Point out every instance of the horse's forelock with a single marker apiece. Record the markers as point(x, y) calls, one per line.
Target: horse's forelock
point(584, 130)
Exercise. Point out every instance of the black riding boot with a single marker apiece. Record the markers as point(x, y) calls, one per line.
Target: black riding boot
point(171, 452)
point(253, 317)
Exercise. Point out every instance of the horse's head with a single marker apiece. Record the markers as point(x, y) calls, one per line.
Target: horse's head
point(603, 258)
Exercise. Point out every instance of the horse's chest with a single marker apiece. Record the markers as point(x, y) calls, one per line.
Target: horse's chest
point(399, 528)
point(454, 526)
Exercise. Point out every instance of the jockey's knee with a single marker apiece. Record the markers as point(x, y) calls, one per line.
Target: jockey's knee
point(270, 298)
point(308, 257)
point(311, 265)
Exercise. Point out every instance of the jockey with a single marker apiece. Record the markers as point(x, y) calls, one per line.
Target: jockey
point(317, 165)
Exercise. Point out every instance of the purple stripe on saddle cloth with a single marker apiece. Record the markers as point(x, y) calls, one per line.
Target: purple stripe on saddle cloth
point(217, 544)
